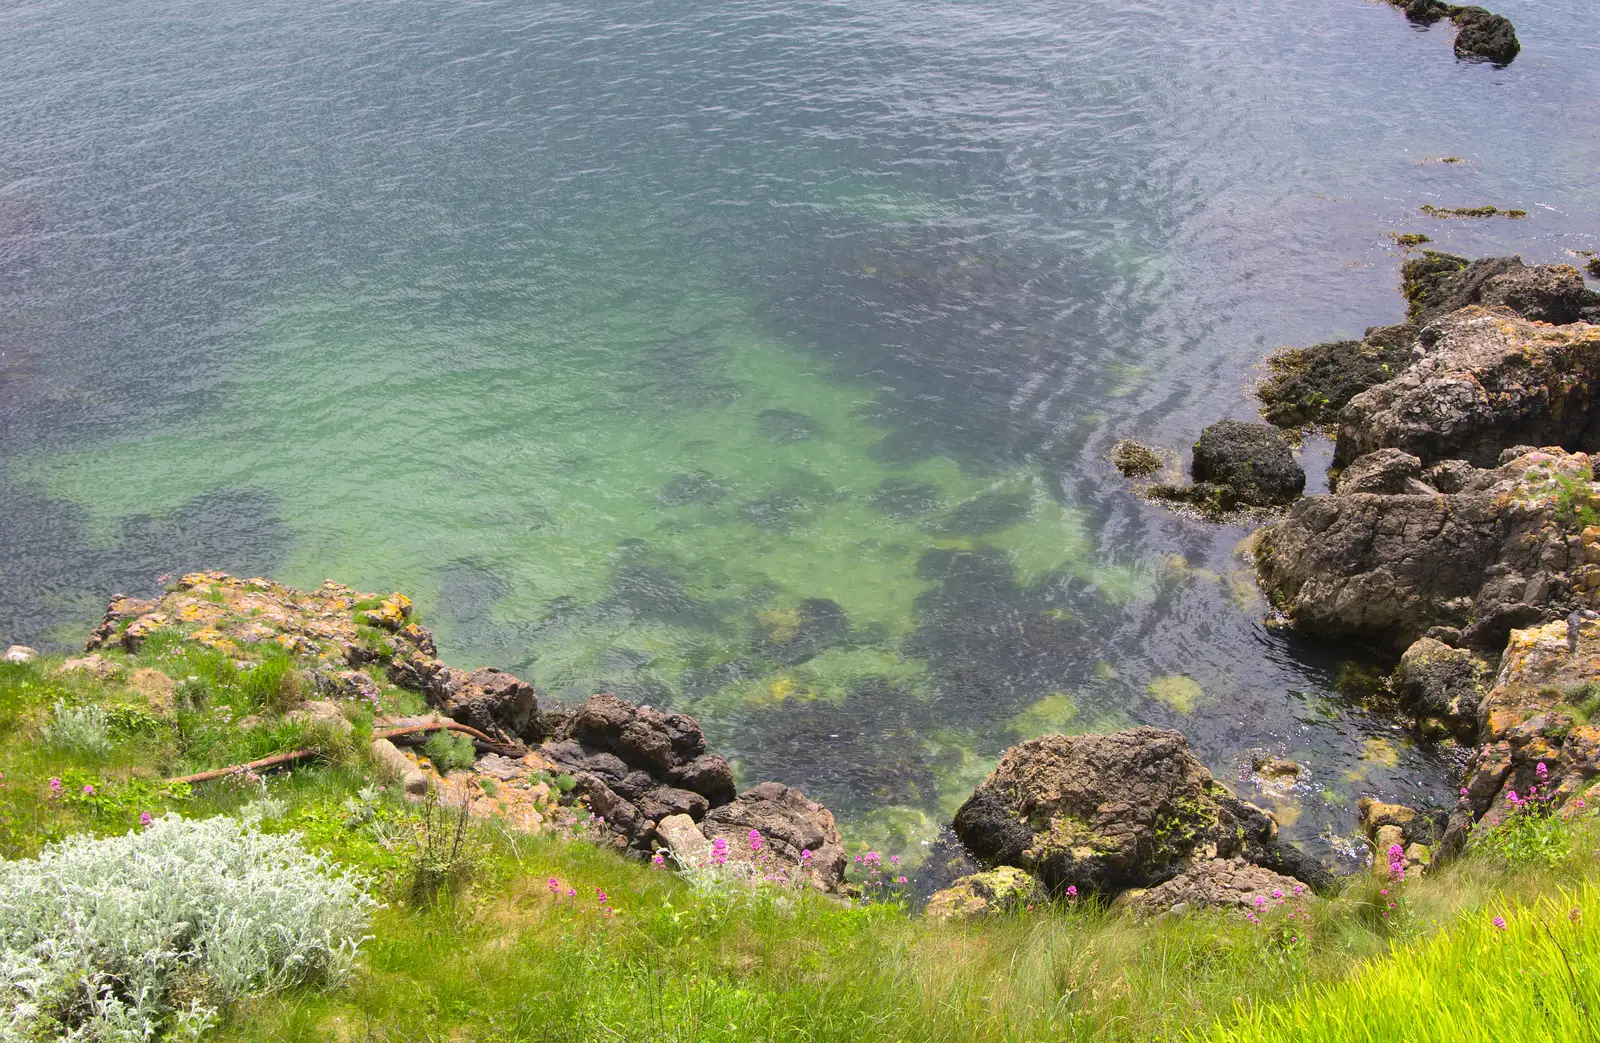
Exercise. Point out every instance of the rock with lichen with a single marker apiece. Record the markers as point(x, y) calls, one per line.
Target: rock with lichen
point(1003, 889)
point(1504, 551)
point(1136, 460)
point(1104, 813)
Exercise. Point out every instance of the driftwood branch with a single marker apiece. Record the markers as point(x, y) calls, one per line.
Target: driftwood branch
point(279, 760)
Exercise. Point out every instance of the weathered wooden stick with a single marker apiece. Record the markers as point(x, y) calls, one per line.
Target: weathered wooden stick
point(278, 760)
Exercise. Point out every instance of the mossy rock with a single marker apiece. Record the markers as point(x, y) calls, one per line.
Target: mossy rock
point(1000, 890)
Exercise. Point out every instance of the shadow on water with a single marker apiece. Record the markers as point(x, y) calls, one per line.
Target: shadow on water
point(57, 573)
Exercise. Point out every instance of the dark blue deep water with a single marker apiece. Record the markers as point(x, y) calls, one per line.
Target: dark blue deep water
point(754, 358)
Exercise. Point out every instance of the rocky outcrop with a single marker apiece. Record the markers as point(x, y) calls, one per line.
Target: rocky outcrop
point(1004, 889)
point(631, 766)
point(1487, 379)
point(1538, 742)
point(1311, 385)
point(1504, 551)
point(795, 832)
point(1105, 813)
point(1216, 883)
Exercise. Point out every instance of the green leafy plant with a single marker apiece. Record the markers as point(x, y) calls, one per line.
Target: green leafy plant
point(443, 858)
point(80, 729)
point(449, 751)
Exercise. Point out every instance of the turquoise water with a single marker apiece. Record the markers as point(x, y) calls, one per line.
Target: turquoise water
point(756, 360)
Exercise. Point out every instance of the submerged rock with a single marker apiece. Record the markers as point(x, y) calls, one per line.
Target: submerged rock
point(1252, 460)
point(1502, 552)
point(1487, 380)
point(1000, 890)
point(1135, 460)
point(1104, 813)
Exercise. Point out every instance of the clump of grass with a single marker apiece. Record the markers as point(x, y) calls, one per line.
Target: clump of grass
point(450, 751)
point(1521, 972)
point(275, 684)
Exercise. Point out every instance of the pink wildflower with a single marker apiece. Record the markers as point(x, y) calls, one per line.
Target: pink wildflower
point(55, 788)
point(572, 892)
point(1542, 771)
point(719, 851)
point(88, 789)
point(1499, 923)
point(145, 818)
point(555, 885)
point(658, 860)
point(755, 840)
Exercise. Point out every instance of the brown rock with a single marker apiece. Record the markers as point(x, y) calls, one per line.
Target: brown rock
point(789, 824)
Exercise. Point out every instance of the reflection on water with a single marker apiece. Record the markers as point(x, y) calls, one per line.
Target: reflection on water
point(759, 366)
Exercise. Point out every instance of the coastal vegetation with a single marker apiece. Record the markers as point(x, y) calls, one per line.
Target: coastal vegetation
point(549, 936)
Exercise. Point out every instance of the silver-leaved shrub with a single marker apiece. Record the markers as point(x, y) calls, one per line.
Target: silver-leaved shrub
point(142, 936)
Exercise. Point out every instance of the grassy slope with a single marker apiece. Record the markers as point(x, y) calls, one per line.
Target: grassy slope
point(507, 960)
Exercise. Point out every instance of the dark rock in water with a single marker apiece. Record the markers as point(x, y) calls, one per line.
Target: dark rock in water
point(989, 512)
point(1310, 385)
point(1423, 12)
point(784, 426)
point(1388, 471)
point(794, 636)
point(1500, 553)
point(1253, 460)
point(906, 498)
point(693, 487)
point(1135, 460)
point(1486, 380)
point(1443, 686)
point(1103, 813)
point(1479, 34)
point(1483, 35)
point(790, 826)
point(1436, 284)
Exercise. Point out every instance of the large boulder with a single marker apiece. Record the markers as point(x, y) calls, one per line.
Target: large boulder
point(798, 835)
point(1502, 552)
point(1443, 686)
point(1487, 380)
point(1310, 385)
point(1384, 471)
point(1103, 813)
point(1254, 461)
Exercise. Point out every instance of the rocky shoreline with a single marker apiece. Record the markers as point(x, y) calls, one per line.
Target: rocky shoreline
point(1463, 532)
point(1463, 526)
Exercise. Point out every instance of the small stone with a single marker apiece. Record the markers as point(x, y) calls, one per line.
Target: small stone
point(20, 654)
point(389, 761)
point(679, 835)
point(94, 663)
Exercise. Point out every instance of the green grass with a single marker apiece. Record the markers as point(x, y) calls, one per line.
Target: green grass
point(498, 955)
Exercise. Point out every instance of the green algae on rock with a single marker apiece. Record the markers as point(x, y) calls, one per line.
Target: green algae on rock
point(1311, 385)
